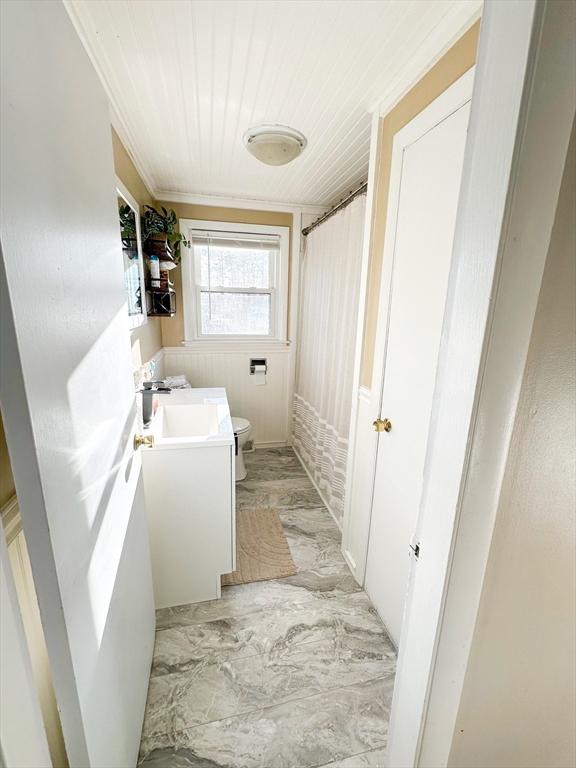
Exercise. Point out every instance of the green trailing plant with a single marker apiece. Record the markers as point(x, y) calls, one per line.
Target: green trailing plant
point(127, 225)
point(128, 231)
point(162, 225)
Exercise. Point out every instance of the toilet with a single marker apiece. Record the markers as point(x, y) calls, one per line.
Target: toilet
point(242, 428)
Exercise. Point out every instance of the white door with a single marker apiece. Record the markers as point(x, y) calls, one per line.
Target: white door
point(66, 384)
point(425, 182)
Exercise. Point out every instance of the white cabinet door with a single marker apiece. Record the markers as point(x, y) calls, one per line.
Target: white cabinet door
point(66, 385)
point(191, 518)
point(425, 184)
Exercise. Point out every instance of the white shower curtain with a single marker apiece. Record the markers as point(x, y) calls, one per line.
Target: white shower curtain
point(325, 358)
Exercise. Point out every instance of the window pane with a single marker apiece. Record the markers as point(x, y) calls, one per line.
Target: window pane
point(240, 266)
point(235, 313)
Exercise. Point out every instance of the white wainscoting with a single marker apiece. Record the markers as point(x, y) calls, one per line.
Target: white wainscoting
point(158, 361)
point(356, 526)
point(150, 370)
point(267, 407)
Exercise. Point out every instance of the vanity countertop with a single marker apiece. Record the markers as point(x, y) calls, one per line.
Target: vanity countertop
point(192, 418)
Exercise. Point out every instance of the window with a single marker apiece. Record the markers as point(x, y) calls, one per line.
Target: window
point(236, 282)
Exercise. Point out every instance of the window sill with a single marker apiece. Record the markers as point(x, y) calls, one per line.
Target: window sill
point(231, 345)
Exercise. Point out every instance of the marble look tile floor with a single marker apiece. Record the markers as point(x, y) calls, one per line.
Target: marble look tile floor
point(287, 673)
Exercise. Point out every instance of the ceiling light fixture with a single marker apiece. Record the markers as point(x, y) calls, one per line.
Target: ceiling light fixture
point(274, 144)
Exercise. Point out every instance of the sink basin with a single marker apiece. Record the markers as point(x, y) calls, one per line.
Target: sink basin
point(192, 417)
point(189, 420)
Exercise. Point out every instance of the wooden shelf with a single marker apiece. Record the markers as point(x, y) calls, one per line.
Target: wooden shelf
point(159, 248)
point(160, 290)
point(160, 302)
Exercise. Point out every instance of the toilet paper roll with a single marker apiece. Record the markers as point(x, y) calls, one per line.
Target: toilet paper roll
point(259, 375)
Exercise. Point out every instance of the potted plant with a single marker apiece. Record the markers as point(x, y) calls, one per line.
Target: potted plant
point(159, 234)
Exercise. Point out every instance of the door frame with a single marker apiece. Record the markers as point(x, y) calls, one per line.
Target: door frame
point(450, 101)
point(524, 89)
point(135, 321)
point(23, 739)
point(524, 47)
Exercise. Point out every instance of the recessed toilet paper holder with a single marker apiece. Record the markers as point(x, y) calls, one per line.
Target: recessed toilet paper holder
point(256, 363)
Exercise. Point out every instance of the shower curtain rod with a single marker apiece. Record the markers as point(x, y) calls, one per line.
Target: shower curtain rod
point(342, 204)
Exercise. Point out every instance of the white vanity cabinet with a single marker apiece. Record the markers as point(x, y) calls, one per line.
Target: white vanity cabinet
point(189, 491)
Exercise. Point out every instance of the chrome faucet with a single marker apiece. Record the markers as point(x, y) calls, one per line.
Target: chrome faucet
point(151, 389)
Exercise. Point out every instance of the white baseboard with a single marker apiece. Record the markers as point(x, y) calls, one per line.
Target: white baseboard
point(350, 562)
point(281, 444)
point(314, 483)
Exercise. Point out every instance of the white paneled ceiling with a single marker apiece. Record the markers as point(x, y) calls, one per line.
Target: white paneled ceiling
point(186, 78)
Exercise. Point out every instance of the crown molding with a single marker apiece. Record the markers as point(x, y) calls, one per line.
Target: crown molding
point(120, 127)
point(239, 202)
point(435, 47)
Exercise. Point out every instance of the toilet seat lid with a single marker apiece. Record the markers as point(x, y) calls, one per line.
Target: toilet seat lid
point(239, 424)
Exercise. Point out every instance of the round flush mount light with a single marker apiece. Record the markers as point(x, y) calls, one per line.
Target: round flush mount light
point(274, 144)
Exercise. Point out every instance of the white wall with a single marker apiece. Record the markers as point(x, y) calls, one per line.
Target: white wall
point(518, 706)
point(268, 407)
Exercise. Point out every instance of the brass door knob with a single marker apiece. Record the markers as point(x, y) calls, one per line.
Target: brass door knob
point(382, 425)
point(139, 440)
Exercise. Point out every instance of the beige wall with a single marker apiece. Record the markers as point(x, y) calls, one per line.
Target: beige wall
point(518, 706)
point(147, 339)
point(126, 170)
point(173, 327)
point(447, 70)
point(7, 489)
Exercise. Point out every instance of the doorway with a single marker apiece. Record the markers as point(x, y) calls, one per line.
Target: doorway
point(427, 163)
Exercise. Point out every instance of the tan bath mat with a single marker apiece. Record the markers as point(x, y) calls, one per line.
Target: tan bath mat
point(262, 551)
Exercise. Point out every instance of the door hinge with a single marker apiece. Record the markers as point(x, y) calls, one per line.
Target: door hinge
point(415, 547)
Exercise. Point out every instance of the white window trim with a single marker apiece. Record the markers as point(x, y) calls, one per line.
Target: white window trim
point(190, 302)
